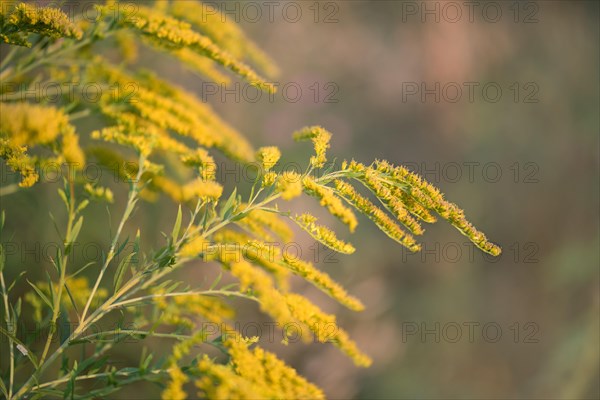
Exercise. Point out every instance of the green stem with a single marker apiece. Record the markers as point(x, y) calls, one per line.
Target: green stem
point(10, 342)
point(63, 269)
point(111, 253)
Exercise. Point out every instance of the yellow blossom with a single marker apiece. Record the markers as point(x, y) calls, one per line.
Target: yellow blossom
point(323, 234)
point(269, 178)
point(289, 184)
point(380, 218)
point(17, 159)
point(331, 201)
point(50, 22)
point(268, 156)
point(322, 281)
point(324, 327)
point(320, 139)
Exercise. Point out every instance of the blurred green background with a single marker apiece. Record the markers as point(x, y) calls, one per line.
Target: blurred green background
point(523, 163)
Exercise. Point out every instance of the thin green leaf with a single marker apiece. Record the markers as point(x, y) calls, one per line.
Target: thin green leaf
point(226, 210)
point(120, 272)
point(81, 269)
point(177, 225)
point(41, 294)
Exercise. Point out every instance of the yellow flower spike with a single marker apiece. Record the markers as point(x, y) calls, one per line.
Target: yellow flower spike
point(272, 221)
point(331, 201)
point(289, 185)
point(163, 105)
point(71, 151)
point(50, 22)
point(270, 377)
point(320, 139)
point(325, 328)
point(322, 281)
point(17, 160)
point(203, 160)
point(210, 21)
point(30, 124)
point(373, 181)
point(172, 34)
point(375, 214)
point(271, 300)
point(201, 189)
point(323, 234)
point(268, 156)
point(430, 197)
point(268, 179)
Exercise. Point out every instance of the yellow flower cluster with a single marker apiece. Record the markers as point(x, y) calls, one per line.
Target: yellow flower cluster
point(177, 378)
point(23, 125)
point(269, 179)
point(172, 34)
point(430, 197)
point(191, 191)
point(29, 124)
point(262, 285)
point(210, 21)
point(262, 223)
point(194, 247)
point(324, 327)
point(184, 311)
point(375, 214)
point(320, 139)
point(27, 18)
point(232, 246)
point(201, 64)
point(99, 193)
point(157, 106)
point(323, 234)
point(289, 184)
point(331, 201)
point(268, 156)
point(203, 161)
point(17, 159)
point(265, 376)
point(322, 281)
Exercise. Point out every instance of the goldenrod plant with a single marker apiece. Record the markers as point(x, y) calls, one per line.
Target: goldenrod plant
point(167, 139)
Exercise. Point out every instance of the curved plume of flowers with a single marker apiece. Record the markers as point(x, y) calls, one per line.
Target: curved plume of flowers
point(320, 139)
point(202, 65)
point(322, 234)
point(183, 311)
point(252, 250)
point(430, 197)
point(25, 18)
point(331, 201)
point(188, 192)
point(271, 300)
point(172, 34)
point(273, 222)
point(375, 214)
point(167, 107)
point(324, 327)
point(289, 184)
point(210, 21)
point(24, 125)
point(322, 281)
